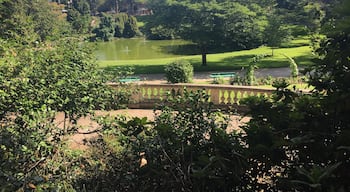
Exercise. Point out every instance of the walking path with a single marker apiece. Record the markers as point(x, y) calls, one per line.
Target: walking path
point(203, 76)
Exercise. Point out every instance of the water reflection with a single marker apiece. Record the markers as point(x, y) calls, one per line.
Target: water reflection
point(129, 49)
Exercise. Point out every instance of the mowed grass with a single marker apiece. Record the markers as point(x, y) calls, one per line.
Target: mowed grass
point(297, 49)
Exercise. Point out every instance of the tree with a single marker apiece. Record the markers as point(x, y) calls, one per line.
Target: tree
point(275, 33)
point(106, 29)
point(36, 83)
point(29, 21)
point(211, 25)
point(304, 138)
point(79, 16)
point(130, 27)
point(126, 26)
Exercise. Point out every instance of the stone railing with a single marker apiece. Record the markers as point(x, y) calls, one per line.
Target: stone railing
point(223, 96)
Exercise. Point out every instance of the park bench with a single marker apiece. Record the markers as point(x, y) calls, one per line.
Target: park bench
point(129, 79)
point(222, 75)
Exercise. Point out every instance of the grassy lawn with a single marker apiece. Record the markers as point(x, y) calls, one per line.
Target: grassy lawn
point(297, 49)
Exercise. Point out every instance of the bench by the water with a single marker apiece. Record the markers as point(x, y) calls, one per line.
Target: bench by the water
point(222, 75)
point(129, 79)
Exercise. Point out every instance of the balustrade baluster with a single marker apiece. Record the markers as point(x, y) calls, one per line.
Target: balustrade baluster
point(155, 92)
point(143, 92)
point(149, 93)
point(239, 97)
point(226, 95)
point(215, 95)
point(208, 91)
point(161, 93)
point(245, 94)
point(232, 97)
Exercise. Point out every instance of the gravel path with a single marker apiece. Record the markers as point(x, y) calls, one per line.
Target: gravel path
point(264, 72)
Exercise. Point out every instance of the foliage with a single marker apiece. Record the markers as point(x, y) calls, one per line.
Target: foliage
point(79, 16)
point(223, 24)
point(120, 25)
point(219, 80)
point(106, 29)
point(179, 71)
point(294, 72)
point(29, 21)
point(186, 148)
point(250, 76)
point(301, 141)
point(290, 137)
point(120, 20)
point(130, 28)
point(113, 161)
point(37, 82)
point(158, 32)
point(126, 26)
point(275, 33)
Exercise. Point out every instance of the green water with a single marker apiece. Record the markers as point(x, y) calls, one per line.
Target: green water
point(132, 49)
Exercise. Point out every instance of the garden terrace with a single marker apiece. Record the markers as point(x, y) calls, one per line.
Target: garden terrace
point(148, 95)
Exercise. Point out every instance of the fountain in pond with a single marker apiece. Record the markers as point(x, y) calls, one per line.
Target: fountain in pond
point(126, 49)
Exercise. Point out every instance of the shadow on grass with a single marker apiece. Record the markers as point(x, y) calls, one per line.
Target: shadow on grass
point(187, 49)
point(193, 49)
point(292, 45)
point(225, 64)
point(240, 60)
point(305, 60)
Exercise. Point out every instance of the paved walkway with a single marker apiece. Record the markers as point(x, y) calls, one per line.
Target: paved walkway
point(264, 72)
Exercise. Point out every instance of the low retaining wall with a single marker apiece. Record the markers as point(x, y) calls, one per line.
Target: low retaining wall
point(148, 95)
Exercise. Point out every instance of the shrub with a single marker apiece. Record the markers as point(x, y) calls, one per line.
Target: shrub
point(179, 71)
point(219, 80)
point(237, 80)
point(186, 148)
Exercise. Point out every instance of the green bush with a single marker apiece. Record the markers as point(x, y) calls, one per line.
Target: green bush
point(219, 80)
point(179, 71)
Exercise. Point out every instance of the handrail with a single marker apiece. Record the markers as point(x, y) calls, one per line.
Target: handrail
point(222, 96)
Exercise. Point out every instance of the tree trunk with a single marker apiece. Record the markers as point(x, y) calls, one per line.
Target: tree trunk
point(204, 59)
point(116, 6)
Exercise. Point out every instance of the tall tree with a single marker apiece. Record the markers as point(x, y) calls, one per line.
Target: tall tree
point(106, 28)
point(275, 33)
point(79, 16)
point(210, 24)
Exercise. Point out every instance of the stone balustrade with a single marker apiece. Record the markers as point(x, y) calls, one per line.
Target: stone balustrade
point(147, 95)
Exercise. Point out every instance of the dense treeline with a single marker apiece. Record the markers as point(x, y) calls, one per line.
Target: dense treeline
point(293, 142)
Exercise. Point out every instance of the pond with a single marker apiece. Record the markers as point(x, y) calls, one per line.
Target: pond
point(134, 49)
